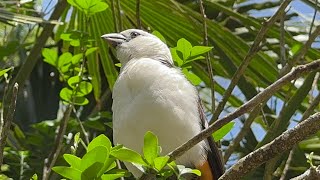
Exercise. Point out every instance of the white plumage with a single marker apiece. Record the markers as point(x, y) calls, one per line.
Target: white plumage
point(151, 95)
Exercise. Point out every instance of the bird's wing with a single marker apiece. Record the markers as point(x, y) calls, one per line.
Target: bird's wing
point(214, 158)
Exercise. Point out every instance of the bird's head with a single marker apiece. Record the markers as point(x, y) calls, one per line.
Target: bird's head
point(134, 44)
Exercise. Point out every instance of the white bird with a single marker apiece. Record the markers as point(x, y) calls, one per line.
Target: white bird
point(151, 94)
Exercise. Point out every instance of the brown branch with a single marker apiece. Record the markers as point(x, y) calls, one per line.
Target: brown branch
point(282, 143)
point(247, 107)
point(58, 143)
point(5, 127)
point(206, 43)
point(139, 26)
point(247, 59)
point(311, 174)
point(287, 165)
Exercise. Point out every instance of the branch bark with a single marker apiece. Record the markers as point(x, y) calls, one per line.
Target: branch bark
point(282, 143)
point(247, 107)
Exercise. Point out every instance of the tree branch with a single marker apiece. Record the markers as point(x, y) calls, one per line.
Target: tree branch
point(311, 174)
point(247, 59)
point(247, 107)
point(282, 143)
point(58, 143)
point(5, 127)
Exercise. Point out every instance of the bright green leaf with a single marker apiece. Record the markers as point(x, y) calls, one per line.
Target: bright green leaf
point(184, 170)
point(64, 59)
point(184, 47)
point(50, 56)
point(2, 72)
point(73, 161)
point(128, 155)
point(96, 155)
point(194, 79)
point(66, 94)
point(178, 61)
point(73, 81)
point(91, 50)
point(81, 101)
point(220, 133)
point(34, 177)
point(197, 50)
point(160, 162)
point(159, 35)
point(150, 147)
point(101, 140)
point(91, 172)
point(84, 88)
point(67, 172)
point(76, 58)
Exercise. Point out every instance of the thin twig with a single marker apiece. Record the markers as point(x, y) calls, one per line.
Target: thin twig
point(246, 127)
point(58, 143)
point(5, 127)
point(247, 107)
point(247, 59)
point(139, 26)
point(81, 126)
point(313, 18)
point(287, 165)
point(206, 43)
point(311, 174)
point(282, 143)
point(282, 41)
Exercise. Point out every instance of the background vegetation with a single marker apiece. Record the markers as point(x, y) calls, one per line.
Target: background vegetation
point(46, 44)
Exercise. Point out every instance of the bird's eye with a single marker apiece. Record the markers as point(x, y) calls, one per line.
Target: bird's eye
point(134, 34)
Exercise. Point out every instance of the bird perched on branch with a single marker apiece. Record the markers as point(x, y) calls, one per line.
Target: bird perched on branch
point(151, 94)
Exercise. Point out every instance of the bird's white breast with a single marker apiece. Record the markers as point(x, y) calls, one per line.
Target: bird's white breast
point(149, 96)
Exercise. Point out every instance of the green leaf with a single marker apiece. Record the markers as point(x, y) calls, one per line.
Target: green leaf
point(76, 58)
point(67, 172)
point(84, 88)
point(66, 94)
point(184, 47)
point(183, 170)
point(150, 147)
point(91, 172)
point(160, 162)
point(91, 50)
point(194, 79)
point(159, 35)
point(128, 155)
point(115, 174)
point(178, 61)
point(89, 7)
point(50, 56)
point(197, 50)
point(101, 140)
point(73, 161)
point(34, 177)
point(73, 81)
point(97, 155)
point(224, 130)
point(81, 101)
point(2, 72)
point(64, 60)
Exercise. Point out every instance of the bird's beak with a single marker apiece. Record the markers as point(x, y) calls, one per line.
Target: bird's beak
point(114, 39)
